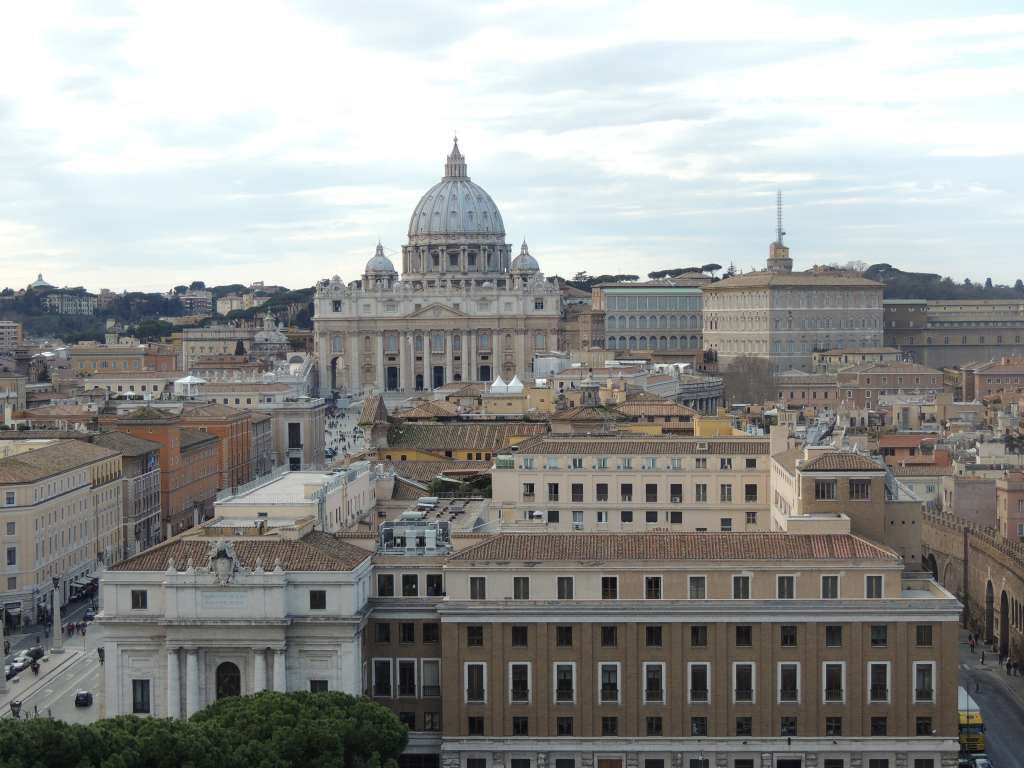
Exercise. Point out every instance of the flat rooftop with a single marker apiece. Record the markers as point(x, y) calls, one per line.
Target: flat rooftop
point(287, 488)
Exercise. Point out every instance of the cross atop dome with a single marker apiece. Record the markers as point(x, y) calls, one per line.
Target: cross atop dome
point(455, 167)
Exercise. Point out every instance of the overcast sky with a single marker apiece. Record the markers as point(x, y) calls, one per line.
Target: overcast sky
point(146, 145)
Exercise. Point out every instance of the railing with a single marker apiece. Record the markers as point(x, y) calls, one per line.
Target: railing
point(609, 693)
point(698, 694)
point(529, 497)
point(924, 694)
point(406, 689)
point(520, 695)
point(564, 694)
point(382, 690)
point(787, 694)
point(744, 694)
point(879, 693)
point(653, 694)
point(474, 695)
point(627, 497)
point(833, 694)
point(750, 499)
point(431, 690)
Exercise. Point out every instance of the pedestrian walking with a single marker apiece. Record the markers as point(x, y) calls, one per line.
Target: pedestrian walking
point(971, 642)
point(982, 655)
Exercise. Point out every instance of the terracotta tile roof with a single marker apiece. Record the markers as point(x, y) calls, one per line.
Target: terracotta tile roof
point(58, 411)
point(374, 411)
point(921, 470)
point(642, 445)
point(885, 367)
point(125, 444)
point(905, 440)
point(450, 437)
point(147, 413)
point(212, 410)
point(425, 471)
point(190, 438)
point(587, 413)
point(259, 416)
point(51, 460)
point(655, 407)
point(430, 409)
point(840, 461)
point(675, 546)
point(821, 278)
point(316, 551)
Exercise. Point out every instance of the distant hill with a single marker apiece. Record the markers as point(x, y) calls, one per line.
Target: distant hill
point(927, 285)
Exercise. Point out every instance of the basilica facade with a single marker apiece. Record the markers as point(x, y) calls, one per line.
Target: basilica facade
point(463, 308)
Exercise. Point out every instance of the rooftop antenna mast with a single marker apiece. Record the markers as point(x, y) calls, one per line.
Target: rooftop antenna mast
point(779, 232)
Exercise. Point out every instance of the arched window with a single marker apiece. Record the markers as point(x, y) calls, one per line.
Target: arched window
point(229, 680)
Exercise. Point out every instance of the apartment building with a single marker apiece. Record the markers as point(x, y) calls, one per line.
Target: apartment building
point(797, 389)
point(1010, 505)
point(946, 333)
point(70, 303)
point(140, 489)
point(10, 335)
point(91, 358)
point(12, 391)
point(626, 482)
point(60, 504)
point(233, 427)
point(660, 316)
point(832, 360)
point(993, 377)
point(861, 386)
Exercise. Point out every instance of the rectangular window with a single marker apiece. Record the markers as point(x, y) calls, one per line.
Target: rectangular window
point(652, 633)
point(385, 585)
point(654, 682)
point(879, 727)
point(601, 492)
point(318, 686)
point(474, 727)
point(725, 492)
point(829, 587)
point(750, 493)
point(923, 727)
point(699, 727)
point(740, 587)
point(521, 587)
point(520, 727)
point(744, 727)
point(654, 726)
point(743, 683)
point(924, 635)
point(435, 585)
point(609, 674)
point(474, 635)
point(626, 516)
point(382, 632)
point(651, 493)
point(860, 490)
point(873, 587)
point(576, 489)
point(140, 697)
point(609, 636)
point(700, 492)
point(924, 681)
point(431, 678)
point(519, 683)
point(699, 636)
point(833, 636)
point(609, 726)
point(788, 636)
point(407, 677)
point(626, 491)
point(879, 635)
point(744, 636)
point(833, 726)
point(565, 588)
point(701, 462)
point(477, 588)
point(406, 632)
point(317, 599)
point(431, 632)
point(785, 587)
point(652, 587)
point(700, 676)
point(609, 587)
point(750, 463)
point(520, 636)
point(725, 463)
point(698, 587)
point(382, 677)
point(834, 674)
point(140, 599)
point(563, 726)
point(553, 516)
point(825, 490)
point(878, 682)
point(563, 636)
point(789, 682)
point(565, 683)
point(476, 683)
point(552, 491)
point(410, 585)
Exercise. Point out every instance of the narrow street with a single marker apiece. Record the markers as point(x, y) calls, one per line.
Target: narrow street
point(1001, 700)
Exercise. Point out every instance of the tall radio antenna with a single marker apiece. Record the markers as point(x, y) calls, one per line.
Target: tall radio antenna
point(779, 232)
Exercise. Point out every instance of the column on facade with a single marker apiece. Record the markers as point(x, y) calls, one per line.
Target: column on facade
point(259, 666)
point(403, 360)
point(173, 683)
point(469, 350)
point(428, 369)
point(380, 361)
point(521, 341)
point(191, 682)
point(464, 356)
point(353, 363)
point(280, 679)
point(449, 366)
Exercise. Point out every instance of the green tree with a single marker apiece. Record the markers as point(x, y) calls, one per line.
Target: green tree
point(749, 379)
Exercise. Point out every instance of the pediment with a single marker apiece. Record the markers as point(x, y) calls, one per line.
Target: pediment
point(437, 311)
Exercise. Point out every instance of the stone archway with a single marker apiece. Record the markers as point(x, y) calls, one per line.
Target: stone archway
point(930, 564)
point(1004, 624)
point(335, 368)
point(229, 680)
point(989, 613)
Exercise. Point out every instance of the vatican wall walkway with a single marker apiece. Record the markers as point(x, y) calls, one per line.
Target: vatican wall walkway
point(985, 571)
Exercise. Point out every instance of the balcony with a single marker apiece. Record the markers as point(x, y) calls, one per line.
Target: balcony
point(432, 690)
point(407, 689)
point(698, 694)
point(529, 496)
point(924, 694)
point(565, 695)
point(520, 695)
point(750, 498)
point(654, 695)
point(833, 694)
point(609, 694)
point(552, 497)
point(475, 695)
point(879, 693)
point(788, 694)
point(744, 694)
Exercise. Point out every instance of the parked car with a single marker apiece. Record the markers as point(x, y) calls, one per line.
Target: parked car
point(90, 615)
point(9, 671)
point(35, 653)
point(20, 663)
point(83, 699)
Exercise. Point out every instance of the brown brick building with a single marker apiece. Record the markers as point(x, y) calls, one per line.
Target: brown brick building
point(860, 386)
point(234, 428)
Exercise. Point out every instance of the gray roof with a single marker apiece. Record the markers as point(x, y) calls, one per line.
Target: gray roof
point(125, 444)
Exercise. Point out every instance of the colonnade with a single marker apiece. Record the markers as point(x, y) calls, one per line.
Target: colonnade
point(264, 659)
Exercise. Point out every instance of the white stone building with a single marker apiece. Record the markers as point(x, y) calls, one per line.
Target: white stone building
point(463, 309)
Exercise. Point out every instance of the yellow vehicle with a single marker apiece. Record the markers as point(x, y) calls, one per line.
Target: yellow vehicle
point(972, 728)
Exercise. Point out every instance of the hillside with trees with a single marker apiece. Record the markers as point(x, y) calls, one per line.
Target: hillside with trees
point(928, 285)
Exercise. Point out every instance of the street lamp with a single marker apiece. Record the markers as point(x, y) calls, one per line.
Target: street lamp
point(58, 629)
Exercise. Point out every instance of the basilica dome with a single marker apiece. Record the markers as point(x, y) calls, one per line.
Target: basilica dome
point(524, 262)
point(380, 263)
point(455, 208)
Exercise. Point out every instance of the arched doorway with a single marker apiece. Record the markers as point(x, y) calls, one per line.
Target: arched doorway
point(1004, 624)
point(989, 611)
point(229, 680)
point(932, 566)
point(336, 364)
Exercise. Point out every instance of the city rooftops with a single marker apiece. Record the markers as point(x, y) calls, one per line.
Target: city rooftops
point(664, 546)
point(51, 459)
point(126, 444)
point(597, 445)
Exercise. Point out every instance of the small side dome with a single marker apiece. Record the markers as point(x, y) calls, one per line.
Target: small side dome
point(524, 262)
point(380, 263)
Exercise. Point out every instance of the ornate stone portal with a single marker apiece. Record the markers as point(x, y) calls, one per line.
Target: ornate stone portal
point(463, 309)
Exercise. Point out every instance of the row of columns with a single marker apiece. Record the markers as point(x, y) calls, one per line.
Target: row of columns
point(193, 702)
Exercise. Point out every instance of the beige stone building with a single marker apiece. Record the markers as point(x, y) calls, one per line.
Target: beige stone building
point(463, 309)
point(633, 482)
point(61, 511)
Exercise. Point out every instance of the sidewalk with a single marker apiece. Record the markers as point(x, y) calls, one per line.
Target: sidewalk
point(24, 684)
point(995, 672)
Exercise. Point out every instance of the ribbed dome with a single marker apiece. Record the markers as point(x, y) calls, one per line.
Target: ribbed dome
point(380, 262)
point(455, 206)
point(524, 262)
